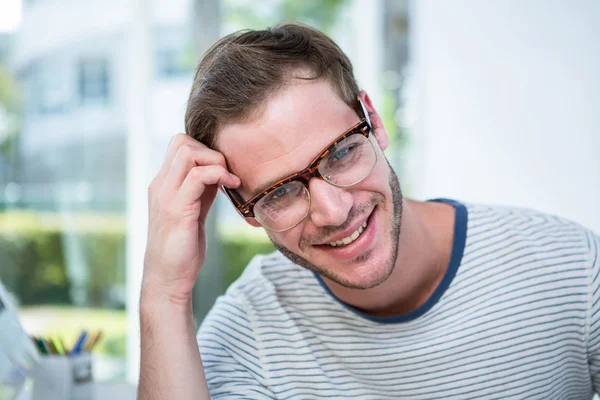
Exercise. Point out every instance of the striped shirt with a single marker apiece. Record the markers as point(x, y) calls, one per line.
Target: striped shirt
point(517, 315)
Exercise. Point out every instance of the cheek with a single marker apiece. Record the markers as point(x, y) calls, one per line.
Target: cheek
point(289, 239)
point(378, 179)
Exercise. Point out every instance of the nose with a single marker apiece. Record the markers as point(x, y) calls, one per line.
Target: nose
point(329, 204)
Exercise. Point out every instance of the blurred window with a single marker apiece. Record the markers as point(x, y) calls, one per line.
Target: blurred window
point(173, 53)
point(48, 94)
point(6, 45)
point(94, 81)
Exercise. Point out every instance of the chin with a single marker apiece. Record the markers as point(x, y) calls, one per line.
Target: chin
point(362, 273)
point(362, 276)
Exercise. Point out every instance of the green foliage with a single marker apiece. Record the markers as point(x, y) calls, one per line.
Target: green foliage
point(321, 14)
point(33, 268)
point(106, 256)
point(115, 345)
point(33, 257)
point(388, 115)
point(34, 261)
point(9, 93)
point(9, 106)
point(238, 251)
point(245, 14)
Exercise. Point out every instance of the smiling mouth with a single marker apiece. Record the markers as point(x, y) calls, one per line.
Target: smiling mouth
point(349, 239)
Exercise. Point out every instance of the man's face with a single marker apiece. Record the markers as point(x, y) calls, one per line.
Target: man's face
point(295, 125)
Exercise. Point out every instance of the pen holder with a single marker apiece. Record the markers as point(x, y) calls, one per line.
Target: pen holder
point(63, 378)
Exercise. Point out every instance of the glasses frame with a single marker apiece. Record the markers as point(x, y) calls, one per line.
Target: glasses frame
point(363, 127)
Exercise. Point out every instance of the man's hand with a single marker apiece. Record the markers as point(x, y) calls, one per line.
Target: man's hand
point(180, 197)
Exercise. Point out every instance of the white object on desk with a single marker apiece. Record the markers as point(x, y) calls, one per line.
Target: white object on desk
point(18, 355)
point(59, 377)
point(101, 390)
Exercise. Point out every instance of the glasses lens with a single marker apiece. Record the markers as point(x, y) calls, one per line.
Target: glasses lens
point(349, 162)
point(284, 207)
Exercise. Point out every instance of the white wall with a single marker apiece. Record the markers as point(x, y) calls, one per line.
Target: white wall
point(365, 47)
point(508, 104)
point(62, 31)
point(54, 24)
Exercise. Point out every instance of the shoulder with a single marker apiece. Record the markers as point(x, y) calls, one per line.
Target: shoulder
point(528, 237)
point(523, 223)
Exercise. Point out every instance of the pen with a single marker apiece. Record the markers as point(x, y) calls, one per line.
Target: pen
point(43, 348)
point(59, 349)
point(90, 340)
point(37, 344)
point(79, 343)
point(62, 344)
point(50, 346)
point(94, 339)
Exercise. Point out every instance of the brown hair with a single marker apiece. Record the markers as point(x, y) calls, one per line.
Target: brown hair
point(242, 69)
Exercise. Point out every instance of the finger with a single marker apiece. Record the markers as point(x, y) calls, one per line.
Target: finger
point(188, 157)
point(178, 142)
point(198, 182)
point(174, 144)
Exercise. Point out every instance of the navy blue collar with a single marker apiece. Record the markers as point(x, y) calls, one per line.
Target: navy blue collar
point(458, 247)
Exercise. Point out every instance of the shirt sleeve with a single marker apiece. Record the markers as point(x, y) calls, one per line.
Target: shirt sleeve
point(593, 346)
point(230, 353)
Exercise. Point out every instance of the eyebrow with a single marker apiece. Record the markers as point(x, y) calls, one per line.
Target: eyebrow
point(274, 181)
point(269, 184)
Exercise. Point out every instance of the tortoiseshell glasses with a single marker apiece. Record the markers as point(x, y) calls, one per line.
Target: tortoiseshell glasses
point(345, 162)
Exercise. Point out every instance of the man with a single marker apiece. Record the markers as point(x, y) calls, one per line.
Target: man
point(371, 295)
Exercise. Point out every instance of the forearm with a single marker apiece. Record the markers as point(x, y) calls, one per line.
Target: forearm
point(171, 367)
point(179, 199)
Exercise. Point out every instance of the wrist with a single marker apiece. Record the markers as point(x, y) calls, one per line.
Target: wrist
point(155, 296)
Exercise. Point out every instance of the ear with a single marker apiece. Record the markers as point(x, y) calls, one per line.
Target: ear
point(253, 222)
point(378, 128)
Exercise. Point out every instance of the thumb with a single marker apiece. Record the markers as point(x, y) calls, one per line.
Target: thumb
point(206, 201)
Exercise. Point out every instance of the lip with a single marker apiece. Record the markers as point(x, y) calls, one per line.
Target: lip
point(345, 233)
point(360, 245)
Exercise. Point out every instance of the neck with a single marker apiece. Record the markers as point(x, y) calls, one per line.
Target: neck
point(424, 249)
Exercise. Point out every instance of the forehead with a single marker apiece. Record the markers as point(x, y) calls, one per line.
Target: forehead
point(291, 129)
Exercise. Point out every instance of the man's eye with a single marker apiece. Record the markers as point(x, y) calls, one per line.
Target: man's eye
point(276, 196)
point(279, 193)
point(343, 153)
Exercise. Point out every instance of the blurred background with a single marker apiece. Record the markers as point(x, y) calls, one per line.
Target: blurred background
point(494, 102)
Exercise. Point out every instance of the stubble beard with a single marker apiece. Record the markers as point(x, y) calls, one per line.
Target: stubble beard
point(377, 278)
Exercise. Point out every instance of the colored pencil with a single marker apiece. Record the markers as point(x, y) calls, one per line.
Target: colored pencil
point(93, 341)
point(79, 343)
point(59, 349)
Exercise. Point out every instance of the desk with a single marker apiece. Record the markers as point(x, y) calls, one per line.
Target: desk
point(102, 391)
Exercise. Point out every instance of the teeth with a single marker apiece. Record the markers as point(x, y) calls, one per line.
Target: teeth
point(351, 238)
